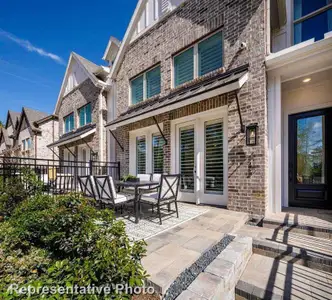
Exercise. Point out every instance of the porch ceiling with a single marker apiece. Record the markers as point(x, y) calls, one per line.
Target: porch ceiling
point(79, 134)
point(211, 87)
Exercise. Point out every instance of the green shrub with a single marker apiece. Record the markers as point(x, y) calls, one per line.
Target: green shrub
point(66, 241)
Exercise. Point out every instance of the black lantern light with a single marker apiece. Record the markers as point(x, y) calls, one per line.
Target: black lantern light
point(251, 134)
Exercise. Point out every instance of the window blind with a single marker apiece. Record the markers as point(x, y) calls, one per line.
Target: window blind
point(187, 158)
point(69, 123)
point(137, 90)
point(214, 163)
point(141, 155)
point(210, 54)
point(158, 154)
point(153, 82)
point(184, 67)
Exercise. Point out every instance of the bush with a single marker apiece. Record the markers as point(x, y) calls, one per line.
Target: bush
point(15, 189)
point(67, 242)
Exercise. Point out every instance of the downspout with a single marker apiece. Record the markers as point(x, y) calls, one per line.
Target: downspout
point(268, 27)
point(36, 146)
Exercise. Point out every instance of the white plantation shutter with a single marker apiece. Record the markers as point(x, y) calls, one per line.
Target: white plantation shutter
point(158, 154)
point(165, 6)
point(214, 163)
point(141, 155)
point(187, 158)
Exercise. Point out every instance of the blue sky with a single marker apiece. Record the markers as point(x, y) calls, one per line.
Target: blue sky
point(36, 38)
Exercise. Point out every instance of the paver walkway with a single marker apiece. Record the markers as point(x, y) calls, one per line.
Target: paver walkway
point(283, 280)
point(171, 252)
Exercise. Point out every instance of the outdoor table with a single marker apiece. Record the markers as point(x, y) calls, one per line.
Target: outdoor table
point(136, 186)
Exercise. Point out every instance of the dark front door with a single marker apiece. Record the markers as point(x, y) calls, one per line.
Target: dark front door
point(310, 169)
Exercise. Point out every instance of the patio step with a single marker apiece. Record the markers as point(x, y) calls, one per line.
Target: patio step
point(310, 251)
point(220, 277)
point(268, 278)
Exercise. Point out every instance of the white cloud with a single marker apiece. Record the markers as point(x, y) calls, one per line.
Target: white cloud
point(28, 46)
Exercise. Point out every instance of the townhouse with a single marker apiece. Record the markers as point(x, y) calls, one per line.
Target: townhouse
point(189, 96)
point(82, 111)
point(26, 134)
point(299, 74)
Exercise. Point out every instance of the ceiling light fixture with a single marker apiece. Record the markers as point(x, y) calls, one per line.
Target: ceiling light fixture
point(306, 80)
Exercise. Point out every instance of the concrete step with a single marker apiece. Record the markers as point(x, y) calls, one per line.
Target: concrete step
point(310, 251)
point(309, 226)
point(219, 279)
point(268, 278)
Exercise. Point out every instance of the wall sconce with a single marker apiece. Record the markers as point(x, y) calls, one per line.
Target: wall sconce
point(251, 134)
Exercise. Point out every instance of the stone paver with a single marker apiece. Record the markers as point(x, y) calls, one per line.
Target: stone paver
point(265, 275)
point(172, 252)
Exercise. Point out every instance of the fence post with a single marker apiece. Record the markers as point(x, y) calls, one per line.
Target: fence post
point(118, 170)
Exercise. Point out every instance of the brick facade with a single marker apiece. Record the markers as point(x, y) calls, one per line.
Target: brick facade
point(81, 95)
point(240, 21)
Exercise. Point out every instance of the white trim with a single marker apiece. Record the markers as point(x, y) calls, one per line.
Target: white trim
point(218, 91)
point(82, 136)
point(198, 120)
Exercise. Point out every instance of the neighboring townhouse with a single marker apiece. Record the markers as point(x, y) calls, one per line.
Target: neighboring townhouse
point(8, 133)
point(82, 111)
point(188, 96)
point(34, 131)
point(299, 70)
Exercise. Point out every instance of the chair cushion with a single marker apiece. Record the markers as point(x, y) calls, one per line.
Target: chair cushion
point(113, 189)
point(144, 177)
point(150, 197)
point(123, 198)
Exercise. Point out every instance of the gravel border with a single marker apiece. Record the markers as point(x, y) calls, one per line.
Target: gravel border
point(183, 281)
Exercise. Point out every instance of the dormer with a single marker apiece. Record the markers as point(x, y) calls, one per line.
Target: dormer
point(112, 50)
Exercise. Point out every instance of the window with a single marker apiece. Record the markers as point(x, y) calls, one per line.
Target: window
point(85, 115)
point(158, 154)
point(140, 155)
point(188, 66)
point(69, 123)
point(146, 85)
point(312, 19)
point(26, 144)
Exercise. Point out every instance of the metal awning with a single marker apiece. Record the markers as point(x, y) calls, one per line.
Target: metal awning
point(74, 136)
point(216, 85)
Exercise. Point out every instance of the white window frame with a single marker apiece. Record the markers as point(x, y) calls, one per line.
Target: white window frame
point(196, 58)
point(145, 93)
point(148, 132)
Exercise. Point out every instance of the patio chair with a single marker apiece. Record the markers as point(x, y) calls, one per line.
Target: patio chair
point(87, 187)
point(107, 193)
point(163, 194)
point(63, 184)
point(142, 177)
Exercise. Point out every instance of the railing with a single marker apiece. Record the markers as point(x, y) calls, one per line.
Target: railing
point(57, 176)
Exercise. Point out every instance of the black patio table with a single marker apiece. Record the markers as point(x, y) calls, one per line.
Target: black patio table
point(136, 185)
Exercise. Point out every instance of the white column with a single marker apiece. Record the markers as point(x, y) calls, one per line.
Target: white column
point(275, 144)
point(101, 127)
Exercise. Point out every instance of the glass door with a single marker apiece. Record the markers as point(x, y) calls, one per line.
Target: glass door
point(309, 161)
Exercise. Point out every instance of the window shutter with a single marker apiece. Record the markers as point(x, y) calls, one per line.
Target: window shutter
point(214, 163)
point(165, 6)
point(210, 54)
point(153, 82)
point(187, 158)
point(184, 67)
point(82, 116)
point(88, 114)
point(141, 155)
point(158, 154)
point(137, 90)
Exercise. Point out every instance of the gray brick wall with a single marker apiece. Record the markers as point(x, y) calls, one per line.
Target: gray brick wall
point(240, 21)
point(83, 94)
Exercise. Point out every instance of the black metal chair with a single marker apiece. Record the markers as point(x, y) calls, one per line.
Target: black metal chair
point(87, 187)
point(107, 193)
point(164, 194)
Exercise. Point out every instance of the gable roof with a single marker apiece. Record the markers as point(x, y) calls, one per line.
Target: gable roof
point(112, 49)
point(32, 116)
point(129, 33)
point(13, 116)
point(90, 69)
point(4, 134)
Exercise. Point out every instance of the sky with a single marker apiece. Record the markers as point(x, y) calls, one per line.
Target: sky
point(36, 38)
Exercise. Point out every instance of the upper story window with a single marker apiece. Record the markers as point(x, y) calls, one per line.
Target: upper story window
point(84, 114)
point(202, 58)
point(312, 19)
point(69, 123)
point(26, 144)
point(146, 85)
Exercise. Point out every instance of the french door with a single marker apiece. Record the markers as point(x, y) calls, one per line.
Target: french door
point(310, 162)
point(201, 159)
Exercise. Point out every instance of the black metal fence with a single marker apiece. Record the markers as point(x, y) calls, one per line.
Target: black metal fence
point(57, 176)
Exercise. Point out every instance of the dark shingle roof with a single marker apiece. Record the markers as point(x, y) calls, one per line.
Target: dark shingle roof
point(34, 116)
point(3, 132)
point(89, 66)
point(181, 94)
